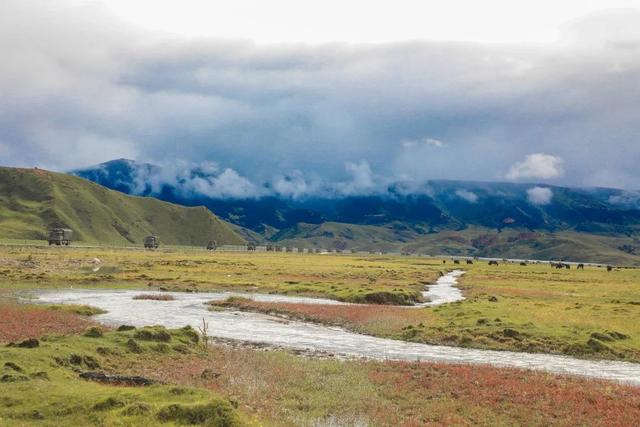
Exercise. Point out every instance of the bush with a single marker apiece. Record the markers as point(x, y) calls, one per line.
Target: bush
point(94, 332)
point(155, 333)
point(108, 403)
point(218, 413)
point(133, 346)
point(138, 408)
point(123, 328)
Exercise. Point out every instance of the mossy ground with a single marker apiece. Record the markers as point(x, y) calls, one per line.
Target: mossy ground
point(41, 385)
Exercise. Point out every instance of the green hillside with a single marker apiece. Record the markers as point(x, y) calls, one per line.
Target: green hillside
point(472, 241)
point(34, 200)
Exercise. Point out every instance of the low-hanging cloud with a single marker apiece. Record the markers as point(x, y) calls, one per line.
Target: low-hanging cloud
point(537, 166)
point(85, 88)
point(467, 195)
point(539, 196)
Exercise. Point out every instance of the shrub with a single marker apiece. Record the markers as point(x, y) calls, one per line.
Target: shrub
point(108, 403)
point(138, 408)
point(94, 332)
point(123, 328)
point(155, 333)
point(218, 413)
point(133, 346)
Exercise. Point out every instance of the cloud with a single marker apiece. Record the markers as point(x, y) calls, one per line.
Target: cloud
point(539, 195)
point(83, 87)
point(200, 179)
point(467, 195)
point(537, 166)
point(410, 143)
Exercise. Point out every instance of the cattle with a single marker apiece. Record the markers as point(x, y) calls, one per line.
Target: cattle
point(493, 262)
point(524, 264)
point(455, 261)
point(580, 267)
point(444, 261)
point(469, 261)
point(251, 247)
point(609, 268)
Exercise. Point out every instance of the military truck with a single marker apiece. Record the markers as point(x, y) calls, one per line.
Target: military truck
point(60, 236)
point(151, 242)
point(212, 245)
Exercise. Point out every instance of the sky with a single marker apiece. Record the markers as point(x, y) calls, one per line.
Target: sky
point(298, 94)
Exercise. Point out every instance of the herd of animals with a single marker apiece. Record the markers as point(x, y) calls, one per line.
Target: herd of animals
point(557, 265)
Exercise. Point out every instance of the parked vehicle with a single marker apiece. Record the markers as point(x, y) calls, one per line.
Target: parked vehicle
point(60, 236)
point(151, 242)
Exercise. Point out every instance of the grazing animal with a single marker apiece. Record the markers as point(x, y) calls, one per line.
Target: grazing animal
point(444, 261)
point(469, 261)
point(493, 263)
point(580, 267)
point(455, 261)
point(251, 247)
point(523, 263)
point(609, 268)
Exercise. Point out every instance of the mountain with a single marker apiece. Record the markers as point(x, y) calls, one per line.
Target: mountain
point(34, 200)
point(455, 217)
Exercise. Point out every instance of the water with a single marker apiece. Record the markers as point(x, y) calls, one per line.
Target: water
point(189, 309)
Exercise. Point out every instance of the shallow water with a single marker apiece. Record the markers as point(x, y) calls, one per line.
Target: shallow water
point(189, 309)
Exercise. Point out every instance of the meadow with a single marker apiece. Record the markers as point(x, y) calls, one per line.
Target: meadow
point(226, 385)
point(586, 313)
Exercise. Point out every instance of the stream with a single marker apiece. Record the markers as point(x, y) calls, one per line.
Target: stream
point(189, 309)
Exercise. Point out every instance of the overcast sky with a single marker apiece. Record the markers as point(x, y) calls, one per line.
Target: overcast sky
point(357, 92)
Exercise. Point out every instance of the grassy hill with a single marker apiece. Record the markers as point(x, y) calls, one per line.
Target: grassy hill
point(34, 200)
point(472, 241)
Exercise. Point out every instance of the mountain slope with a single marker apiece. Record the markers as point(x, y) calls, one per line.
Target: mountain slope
point(33, 201)
point(440, 217)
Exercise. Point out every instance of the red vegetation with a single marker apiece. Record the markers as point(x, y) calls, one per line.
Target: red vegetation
point(155, 297)
point(487, 393)
point(353, 315)
point(402, 393)
point(18, 322)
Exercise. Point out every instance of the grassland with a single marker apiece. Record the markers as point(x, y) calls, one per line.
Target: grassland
point(586, 313)
point(33, 200)
point(40, 381)
point(226, 385)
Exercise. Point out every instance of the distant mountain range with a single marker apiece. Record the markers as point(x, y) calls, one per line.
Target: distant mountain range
point(476, 218)
point(32, 201)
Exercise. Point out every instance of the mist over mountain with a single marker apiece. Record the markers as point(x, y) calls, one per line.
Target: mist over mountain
point(269, 208)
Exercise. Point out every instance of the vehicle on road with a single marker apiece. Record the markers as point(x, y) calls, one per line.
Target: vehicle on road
point(60, 236)
point(151, 242)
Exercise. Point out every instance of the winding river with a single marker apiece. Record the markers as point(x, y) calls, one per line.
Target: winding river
point(189, 309)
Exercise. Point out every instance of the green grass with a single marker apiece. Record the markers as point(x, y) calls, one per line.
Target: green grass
point(32, 201)
point(42, 385)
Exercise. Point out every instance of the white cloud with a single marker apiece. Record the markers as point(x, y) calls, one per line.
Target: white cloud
point(537, 166)
point(467, 195)
point(539, 195)
point(410, 143)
